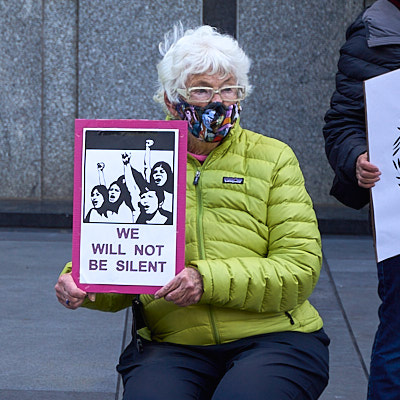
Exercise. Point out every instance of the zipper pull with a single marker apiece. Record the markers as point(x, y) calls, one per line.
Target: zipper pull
point(196, 178)
point(290, 318)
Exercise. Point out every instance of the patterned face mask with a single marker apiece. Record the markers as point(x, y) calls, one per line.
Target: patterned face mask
point(211, 123)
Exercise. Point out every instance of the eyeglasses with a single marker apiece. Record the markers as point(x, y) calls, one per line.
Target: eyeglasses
point(205, 94)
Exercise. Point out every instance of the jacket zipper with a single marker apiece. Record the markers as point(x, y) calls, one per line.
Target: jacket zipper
point(196, 178)
point(290, 317)
point(199, 214)
point(201, 245)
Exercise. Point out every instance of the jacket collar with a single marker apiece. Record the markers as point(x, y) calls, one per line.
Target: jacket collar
point(382, 21)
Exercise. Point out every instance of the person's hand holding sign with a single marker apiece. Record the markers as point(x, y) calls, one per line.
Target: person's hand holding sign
point(367, 174)
point(183, 290)
point(68, 294)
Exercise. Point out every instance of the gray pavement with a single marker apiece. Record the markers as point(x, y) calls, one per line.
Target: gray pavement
point(49, 352)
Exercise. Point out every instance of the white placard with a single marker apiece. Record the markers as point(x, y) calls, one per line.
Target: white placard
point(382, 98)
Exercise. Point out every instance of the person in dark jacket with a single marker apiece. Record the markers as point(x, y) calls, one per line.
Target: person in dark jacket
point(372, 48)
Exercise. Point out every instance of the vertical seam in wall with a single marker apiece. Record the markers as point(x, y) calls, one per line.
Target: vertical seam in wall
point(77, 63)
point(225, 22)
point(42, 90)
point(237, 20)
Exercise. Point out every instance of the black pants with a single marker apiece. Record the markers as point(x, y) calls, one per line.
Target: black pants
point(275, 366)
point(384, 378)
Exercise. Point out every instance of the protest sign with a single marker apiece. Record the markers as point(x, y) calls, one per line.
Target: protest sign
point(382, 106)
point(129, 204)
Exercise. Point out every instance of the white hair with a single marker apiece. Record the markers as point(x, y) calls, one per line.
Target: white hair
point(198, 51)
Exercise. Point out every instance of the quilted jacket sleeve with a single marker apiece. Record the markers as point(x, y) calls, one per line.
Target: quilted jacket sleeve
point(286, 277)
point(345, 131)
point(111, 302)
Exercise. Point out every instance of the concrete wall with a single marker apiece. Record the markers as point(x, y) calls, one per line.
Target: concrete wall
point(65, 59)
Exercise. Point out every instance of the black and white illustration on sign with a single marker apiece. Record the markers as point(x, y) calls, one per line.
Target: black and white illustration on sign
point(128, 177)
point(396, 156)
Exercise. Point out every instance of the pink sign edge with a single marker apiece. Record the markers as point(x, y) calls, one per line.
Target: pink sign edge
point(80, 124)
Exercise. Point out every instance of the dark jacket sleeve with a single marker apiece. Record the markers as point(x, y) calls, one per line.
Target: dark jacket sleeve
point(345, 130)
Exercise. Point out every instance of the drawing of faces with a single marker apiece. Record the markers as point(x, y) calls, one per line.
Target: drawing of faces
point(97, 198)
point(114, 193)
point(160, 176)
point(149, 202)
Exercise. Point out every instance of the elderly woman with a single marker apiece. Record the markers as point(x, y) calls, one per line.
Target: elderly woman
point(236, 322)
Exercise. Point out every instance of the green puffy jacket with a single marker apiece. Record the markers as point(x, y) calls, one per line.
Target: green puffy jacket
point(252, 233)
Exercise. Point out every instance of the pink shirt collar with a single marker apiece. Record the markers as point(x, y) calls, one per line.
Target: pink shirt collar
point(199, 157)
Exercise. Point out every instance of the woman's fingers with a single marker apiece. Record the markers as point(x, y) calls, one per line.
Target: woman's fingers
point(68, 294)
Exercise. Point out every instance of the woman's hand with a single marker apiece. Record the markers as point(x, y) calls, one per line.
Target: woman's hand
point(100, 166)
point(183, 290)
point(149, 142)
point(126, 158)
point(367, 174)
point(68, 294)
